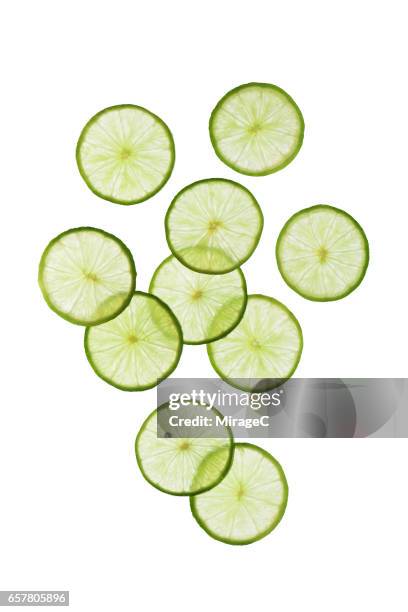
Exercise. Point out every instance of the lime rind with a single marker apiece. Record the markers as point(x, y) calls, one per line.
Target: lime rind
point(263, 350)
point(127, 158)
point(248, 503)
point(336, 264)
point(246, 131)
point(205, 259)
point(213, 225)
point(155, 455)
point(218, 328)
point(70, 275)
point(219, 460)
point(207, 306)
point(137, 349)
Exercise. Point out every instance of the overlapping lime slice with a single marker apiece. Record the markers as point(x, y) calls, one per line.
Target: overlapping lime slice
point(256, 129)
point(171, 463)
point(248, 503)
point(125, 154)
point(138, 348)
point(213, 226)
point(263, 350)
point(322, 253)
point(87, 276)
point(207, 306)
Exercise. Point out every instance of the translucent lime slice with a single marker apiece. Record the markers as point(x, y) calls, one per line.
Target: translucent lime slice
point(213, 226)
point(87, 276)
point(138, 348)
point(208, 306)
point(263, 350)
point(256, 129)
point(322, 253)
point(170, 463)
point(125, 154)
point(248, 503)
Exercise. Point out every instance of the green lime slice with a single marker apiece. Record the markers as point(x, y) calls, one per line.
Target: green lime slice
point(125, 154)
point(263, 350)
point(213, 226)
point(138, 348)
point(208, 306)
point(171, 463)
point(87, 276)
point(256, 129)
point(322, 253)
point(248, 503)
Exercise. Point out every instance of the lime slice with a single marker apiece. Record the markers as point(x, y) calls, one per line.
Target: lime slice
point(263, 350)
point(213, 226)
point(208, 306)
point(87, 276)
point(138, 348)
point(322, 253)
point(125, 154)
point(256, 129)
point(171, 463)
point(248, 503)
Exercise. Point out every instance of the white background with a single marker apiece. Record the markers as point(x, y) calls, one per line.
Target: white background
point(74, 512)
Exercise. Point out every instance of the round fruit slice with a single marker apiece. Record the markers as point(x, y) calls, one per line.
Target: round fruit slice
point(263, 350)
point(256, 129)
point(169, 456)
point(213, 226)
point(125, 154)
point(208, 306)
point(138, 348)
point(248, 503)
point(87, 276)
point(322, 253)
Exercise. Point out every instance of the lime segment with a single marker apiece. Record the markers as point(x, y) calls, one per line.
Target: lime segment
point(248, 503)
point(213, 226)
point(256, 129)
point(322, 253)
point(171, 463)
point(208, 306)
point(263, 350)
point(87, 276)
point(125, 154)
point(138, 348)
